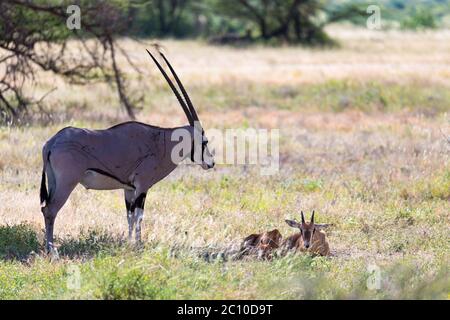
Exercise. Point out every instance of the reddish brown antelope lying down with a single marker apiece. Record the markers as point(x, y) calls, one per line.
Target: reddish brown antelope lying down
point(310, 238)
point(261, 244)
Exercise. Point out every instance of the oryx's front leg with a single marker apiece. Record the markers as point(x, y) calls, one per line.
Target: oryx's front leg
point(135, 212)
point(139, 214)
point(129, 201)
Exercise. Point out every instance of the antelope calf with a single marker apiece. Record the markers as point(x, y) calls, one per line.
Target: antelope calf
point(262, 244)
point(311, 237)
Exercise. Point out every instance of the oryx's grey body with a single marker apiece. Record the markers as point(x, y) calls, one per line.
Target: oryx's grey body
point(125, 156)
point(132, 156)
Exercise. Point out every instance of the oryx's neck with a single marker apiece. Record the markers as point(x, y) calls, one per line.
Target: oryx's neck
point(172, 142)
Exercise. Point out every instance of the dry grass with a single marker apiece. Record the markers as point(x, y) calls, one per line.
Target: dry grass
point(380, 175)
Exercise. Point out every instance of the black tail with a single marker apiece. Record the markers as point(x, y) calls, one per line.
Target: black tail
point(44, 193)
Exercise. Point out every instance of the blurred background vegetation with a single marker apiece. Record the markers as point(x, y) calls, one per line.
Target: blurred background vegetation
point(288, 20)
point(34, 35)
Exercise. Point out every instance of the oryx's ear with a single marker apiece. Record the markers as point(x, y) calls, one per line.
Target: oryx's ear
point(321, 226)
point(292, 223)
point(312, 217)
point(303, 217)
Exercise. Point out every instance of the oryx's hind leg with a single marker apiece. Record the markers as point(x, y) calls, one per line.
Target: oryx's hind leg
point(61, 184)
point(51, 209)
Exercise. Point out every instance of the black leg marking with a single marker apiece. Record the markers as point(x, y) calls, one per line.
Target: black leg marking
point(140, 201)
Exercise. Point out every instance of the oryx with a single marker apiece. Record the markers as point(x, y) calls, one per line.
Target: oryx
point(132, 156)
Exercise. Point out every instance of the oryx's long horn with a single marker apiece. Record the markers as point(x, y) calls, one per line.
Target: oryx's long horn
point(303, 217)
point(312, 217)
point(183, 91)
point(177, 94)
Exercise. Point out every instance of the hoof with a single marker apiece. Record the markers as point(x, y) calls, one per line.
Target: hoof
point(53, 254)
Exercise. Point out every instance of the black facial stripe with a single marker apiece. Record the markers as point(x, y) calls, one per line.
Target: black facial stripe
point(203, 149)
point(204, 143)
point(307, 235)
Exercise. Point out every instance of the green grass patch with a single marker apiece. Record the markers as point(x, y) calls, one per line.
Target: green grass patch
point(155, 273)
point(18, 241)
point(436, 187)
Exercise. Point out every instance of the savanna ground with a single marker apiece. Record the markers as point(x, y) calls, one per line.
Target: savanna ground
point(364, 141)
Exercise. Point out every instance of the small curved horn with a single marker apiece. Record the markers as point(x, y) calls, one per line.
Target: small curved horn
point(177, 94)
point(303, 217)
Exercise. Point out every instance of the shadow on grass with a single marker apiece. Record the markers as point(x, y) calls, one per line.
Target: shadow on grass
point(17, 242)
point(20, 242)
point(89, 244)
